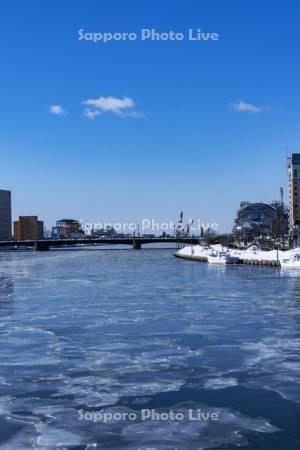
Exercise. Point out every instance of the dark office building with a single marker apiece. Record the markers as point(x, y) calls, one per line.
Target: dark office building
point(5, 215)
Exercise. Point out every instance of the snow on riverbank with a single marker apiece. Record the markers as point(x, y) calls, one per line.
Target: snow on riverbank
point(252, 253)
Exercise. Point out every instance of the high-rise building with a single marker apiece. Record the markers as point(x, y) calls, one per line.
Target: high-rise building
point(28, 228)
point(294, 197)
point(5, 215)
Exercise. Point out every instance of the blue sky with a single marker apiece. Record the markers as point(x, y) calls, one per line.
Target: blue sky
point(190, 145)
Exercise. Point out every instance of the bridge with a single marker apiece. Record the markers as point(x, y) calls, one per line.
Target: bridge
point(135, 242)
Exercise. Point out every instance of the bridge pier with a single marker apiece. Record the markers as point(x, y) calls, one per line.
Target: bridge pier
point(41, 246)
point(137, 245)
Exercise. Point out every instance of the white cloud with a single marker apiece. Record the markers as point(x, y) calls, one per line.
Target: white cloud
point(91, 113)
point(123, 107)
point(241, 106)
point(113, 104)
point(57, 109)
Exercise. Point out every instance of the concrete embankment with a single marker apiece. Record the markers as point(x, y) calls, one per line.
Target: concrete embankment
point(191, 257)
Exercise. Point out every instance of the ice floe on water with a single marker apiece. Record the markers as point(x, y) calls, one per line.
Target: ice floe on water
point(98, 392)
point(230, 428)
point(220, 383)
point(58, 428)
point(277, 362)
point(53, 437)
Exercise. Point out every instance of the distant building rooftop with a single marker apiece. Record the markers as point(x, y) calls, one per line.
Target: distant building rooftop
point(295, 158)
point(68, 222)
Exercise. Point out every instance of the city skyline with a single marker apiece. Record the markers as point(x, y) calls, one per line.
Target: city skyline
point(86, 139)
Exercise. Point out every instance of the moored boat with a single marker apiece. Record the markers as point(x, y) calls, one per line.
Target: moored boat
point(221, 258)
point(292, 262)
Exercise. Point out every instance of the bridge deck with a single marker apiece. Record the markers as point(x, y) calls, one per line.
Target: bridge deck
point(136, 242)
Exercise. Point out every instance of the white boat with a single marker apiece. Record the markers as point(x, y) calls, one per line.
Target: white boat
point(292, 262)
point(221, 258)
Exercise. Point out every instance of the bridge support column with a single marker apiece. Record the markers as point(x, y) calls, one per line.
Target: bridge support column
point(41, 246)
point(137, 245)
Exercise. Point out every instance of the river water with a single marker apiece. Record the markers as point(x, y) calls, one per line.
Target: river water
point(85, 333)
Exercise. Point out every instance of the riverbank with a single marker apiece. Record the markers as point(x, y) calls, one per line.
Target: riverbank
point(253, 255)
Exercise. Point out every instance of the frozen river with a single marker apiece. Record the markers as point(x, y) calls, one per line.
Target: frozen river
point(124, 331)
